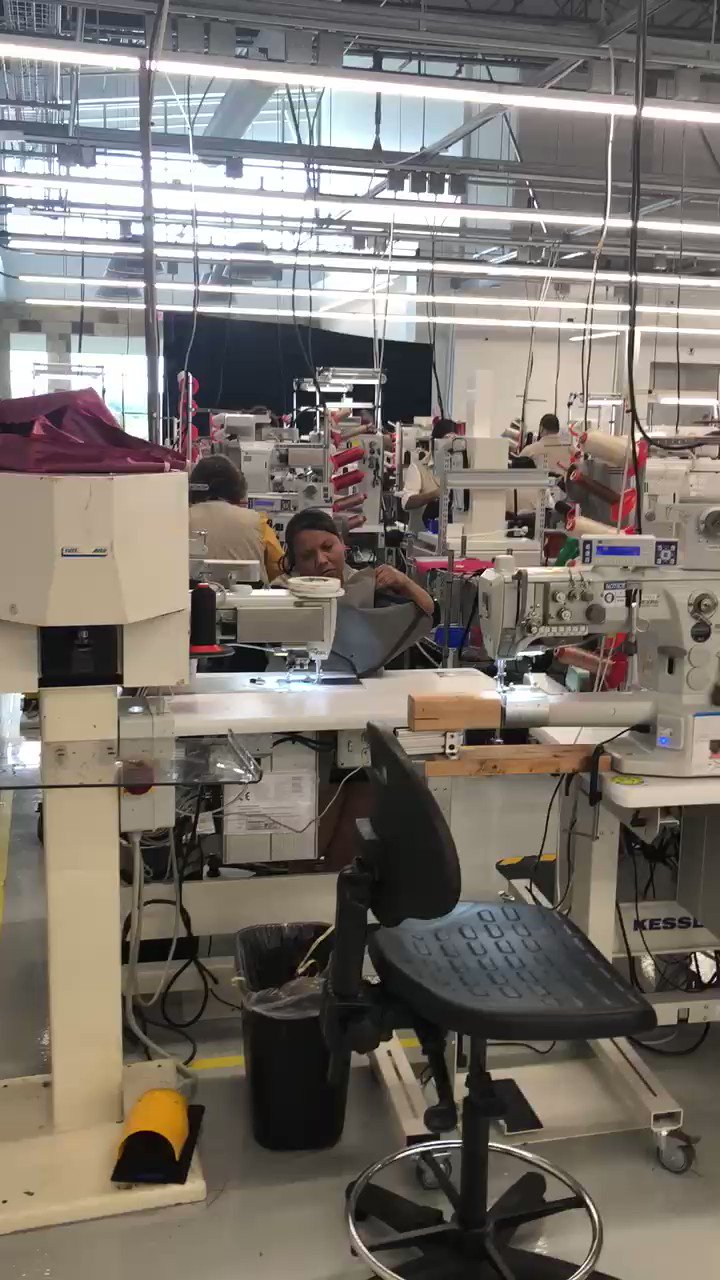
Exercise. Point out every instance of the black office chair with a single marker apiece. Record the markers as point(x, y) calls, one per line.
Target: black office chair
point(487, 970)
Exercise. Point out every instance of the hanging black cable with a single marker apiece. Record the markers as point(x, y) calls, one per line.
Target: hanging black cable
point(636, 427)
point(639, 99)
point(432, 329)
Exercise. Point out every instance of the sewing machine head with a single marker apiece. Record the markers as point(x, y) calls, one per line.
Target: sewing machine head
point(298, 622)
point(634, 586)
point(545, 607)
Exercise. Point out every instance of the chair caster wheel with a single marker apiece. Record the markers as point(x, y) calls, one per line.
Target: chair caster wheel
point(676, 1152)
point(426, 1176)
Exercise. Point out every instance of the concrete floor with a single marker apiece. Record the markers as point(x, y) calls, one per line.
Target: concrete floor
point(271, 1215)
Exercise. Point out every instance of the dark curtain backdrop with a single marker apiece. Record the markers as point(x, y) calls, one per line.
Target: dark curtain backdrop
point(241, 363)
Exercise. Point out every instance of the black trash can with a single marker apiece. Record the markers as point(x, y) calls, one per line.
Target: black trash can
point(294, 1107)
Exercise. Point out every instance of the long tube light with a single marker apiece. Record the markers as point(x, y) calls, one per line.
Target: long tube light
point(363, 262)
point(369, 295)
point(271, 313)
point(65, 53)
point(350, 205)
point(205, 199)
point(484, 322)
point(444, 89)
point(696, 402)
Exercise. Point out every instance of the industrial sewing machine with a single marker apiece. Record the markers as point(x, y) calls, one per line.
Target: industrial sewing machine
point(633, 585)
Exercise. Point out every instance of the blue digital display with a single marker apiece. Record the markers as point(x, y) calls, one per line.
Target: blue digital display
point(606, 549)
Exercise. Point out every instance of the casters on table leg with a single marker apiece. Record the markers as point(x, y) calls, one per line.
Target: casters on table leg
point(676, 1151)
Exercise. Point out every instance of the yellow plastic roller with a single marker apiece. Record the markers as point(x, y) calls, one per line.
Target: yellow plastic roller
point(158, 1139)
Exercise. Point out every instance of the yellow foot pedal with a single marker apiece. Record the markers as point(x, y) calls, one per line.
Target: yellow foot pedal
point(159, 1139)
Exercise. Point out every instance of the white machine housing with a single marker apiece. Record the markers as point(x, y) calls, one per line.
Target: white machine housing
point(674, 616)
point(91, 551)
point(681, 499)
point(282, 619)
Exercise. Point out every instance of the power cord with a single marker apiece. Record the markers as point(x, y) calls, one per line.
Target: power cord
point(538, 857)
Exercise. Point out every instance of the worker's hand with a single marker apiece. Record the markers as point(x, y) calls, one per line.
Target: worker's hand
point(389, 579)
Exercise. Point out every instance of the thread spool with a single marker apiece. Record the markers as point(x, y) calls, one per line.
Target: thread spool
point(347, 479)
point(580, 525)
point(612, 449)
point(584, 481)
point(203, 620)
point(349, 502)
point(345, 456)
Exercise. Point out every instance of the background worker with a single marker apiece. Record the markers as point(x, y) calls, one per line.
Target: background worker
point(218, 493)
point(549, 452)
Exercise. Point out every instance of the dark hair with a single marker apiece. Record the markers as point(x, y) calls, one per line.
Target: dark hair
point(549, 423)
point(311, 518)
point(443, 427)
point(225, 482)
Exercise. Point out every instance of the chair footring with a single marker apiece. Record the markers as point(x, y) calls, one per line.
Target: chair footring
point(450, 1251)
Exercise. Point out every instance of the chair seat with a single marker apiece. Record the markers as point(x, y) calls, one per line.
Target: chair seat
point(507, 972)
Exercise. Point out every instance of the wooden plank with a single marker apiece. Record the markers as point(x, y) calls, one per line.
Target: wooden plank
point(490, 761)
point(441, 712)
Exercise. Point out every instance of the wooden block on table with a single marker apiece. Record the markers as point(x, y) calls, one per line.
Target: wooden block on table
point(446, 712)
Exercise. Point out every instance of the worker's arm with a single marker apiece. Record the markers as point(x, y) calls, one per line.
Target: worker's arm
point(389, 579)
point(413, 494)
point(272, 550)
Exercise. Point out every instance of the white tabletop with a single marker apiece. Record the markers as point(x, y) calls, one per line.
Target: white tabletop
point(269, 704)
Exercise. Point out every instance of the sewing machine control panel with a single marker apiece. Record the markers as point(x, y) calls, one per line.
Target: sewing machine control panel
point(637, 551)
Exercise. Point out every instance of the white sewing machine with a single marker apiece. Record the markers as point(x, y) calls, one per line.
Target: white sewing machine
point(298, 620)
point(630, 584)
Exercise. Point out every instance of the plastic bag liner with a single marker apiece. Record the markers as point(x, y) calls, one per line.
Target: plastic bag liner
point(74, 433)
point(299, 998)
point(293, 1104)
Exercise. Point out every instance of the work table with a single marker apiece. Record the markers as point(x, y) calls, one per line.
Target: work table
point(270, 703)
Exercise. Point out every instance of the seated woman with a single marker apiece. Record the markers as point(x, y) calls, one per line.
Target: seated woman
point(232, 531)
point(382, 612)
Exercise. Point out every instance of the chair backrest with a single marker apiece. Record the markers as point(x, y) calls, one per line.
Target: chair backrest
point(417, 873)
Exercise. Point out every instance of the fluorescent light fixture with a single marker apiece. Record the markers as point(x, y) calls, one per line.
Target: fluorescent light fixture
point(350, 263)
point(71, 55)
point(105, 248)
point(612, 333)
point(696, 402)
point(342, 296)
point(441, 88)
point(270, 313)
point(598, 331)
point(205, 200)
point(599, 402)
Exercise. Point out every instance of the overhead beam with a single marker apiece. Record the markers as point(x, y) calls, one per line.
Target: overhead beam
point(477, 34)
